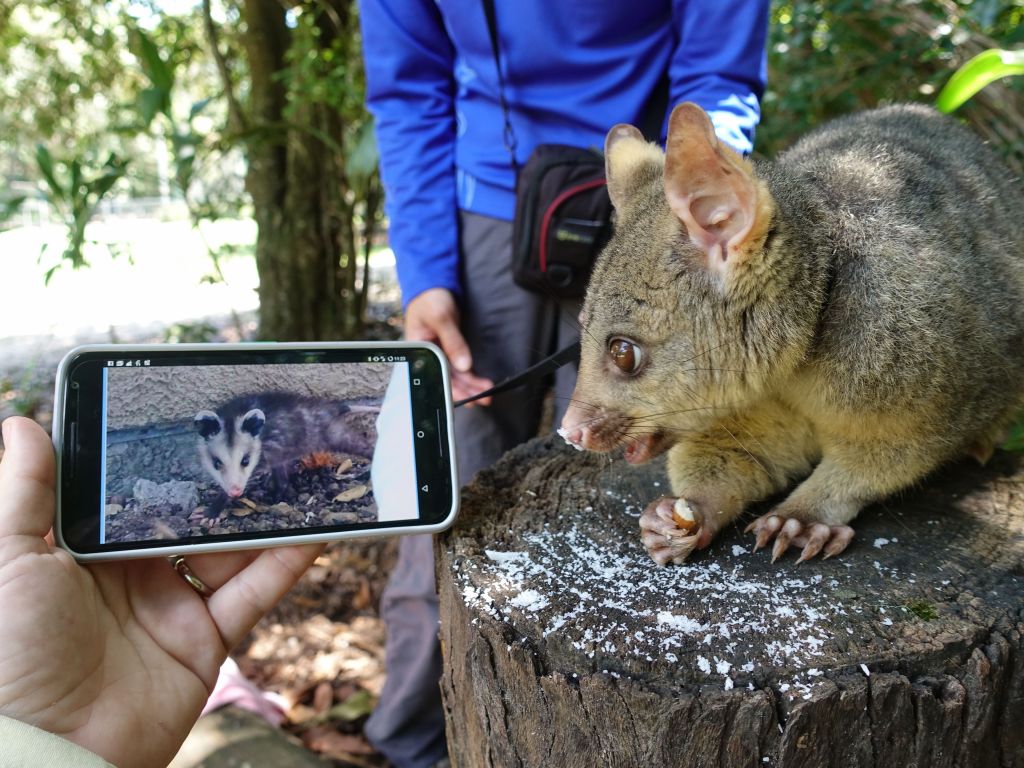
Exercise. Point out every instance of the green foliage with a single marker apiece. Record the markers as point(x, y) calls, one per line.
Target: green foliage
point(1015, 442)
point(327, 69)
point(923, 610)
point(156, 99)
point(190, 333)
point(8, 208)
point(988, 66)
point(75, 194)
point(831, 57)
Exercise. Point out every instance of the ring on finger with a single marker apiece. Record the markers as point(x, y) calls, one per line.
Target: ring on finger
point(180, 565)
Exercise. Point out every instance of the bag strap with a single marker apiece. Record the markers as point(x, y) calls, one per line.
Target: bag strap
point(653, 117)
point(509, 135)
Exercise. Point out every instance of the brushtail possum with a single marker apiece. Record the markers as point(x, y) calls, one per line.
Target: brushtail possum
point(843, 319)
point(277, 428)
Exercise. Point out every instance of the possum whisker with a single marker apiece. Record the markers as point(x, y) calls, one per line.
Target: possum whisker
point(753, 458)
point(591, 405)
point(645, 418)
point(751, 435)
point(714, 370)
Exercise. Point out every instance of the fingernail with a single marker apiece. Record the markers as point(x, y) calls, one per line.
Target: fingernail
point(461, 363)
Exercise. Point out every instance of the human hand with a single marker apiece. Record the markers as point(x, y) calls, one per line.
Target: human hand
point(433, 316)
point(117, 657)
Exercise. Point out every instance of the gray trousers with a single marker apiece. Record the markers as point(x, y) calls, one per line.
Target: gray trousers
point(508, 329)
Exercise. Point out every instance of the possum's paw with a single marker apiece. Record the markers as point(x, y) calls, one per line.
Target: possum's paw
point(812, 536)
point(671, 529)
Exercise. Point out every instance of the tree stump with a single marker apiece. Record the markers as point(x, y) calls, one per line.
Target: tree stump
point(565, 645)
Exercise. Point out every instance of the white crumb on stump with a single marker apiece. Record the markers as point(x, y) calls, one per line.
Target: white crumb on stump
point(618, 603)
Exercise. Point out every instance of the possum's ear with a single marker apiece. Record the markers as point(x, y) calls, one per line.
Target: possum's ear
point(207, 424)
point(713, 191)
point(253, 421)
point(628, 159)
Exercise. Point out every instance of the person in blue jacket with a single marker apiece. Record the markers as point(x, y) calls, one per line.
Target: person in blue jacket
point(571, 70)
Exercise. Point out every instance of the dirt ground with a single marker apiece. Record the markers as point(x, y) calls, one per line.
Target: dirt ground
point(322, 647)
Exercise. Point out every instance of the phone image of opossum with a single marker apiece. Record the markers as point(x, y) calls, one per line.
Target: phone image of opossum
point(229, 449)
point(281, 432)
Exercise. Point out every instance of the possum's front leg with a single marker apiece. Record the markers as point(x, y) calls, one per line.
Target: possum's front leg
point(718, 472)
point(852, 474)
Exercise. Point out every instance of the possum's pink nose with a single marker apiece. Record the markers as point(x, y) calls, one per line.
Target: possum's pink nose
point(234, 492)
point(574, 429)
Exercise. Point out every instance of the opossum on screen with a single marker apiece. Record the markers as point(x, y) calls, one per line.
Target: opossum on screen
point(277, 429)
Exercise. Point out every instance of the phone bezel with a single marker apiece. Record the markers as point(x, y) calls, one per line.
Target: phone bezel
point(244, 541)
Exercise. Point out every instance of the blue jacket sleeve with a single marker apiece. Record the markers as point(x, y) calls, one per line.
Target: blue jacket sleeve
point(720, 63)
point(410, 92)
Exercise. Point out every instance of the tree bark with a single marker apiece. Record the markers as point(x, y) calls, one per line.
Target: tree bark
point(566, 646)
point(306, 250)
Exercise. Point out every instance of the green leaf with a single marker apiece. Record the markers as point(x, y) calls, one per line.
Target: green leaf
point(10, 207)
point(976, 73)
point(198, 107)
point(358, 705)
point(149, 104)
point(363, 156)
point(156, 69)
point(1015, 442)
point(44, 160)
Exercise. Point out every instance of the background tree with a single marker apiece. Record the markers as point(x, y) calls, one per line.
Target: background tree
point(281, 82)
point(311, 161)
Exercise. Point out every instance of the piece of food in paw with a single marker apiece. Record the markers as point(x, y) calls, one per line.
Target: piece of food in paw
point(682, 515)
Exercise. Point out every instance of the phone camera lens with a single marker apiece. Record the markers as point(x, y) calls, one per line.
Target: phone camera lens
point(74, 385)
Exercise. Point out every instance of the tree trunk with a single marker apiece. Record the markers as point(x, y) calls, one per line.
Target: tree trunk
point(305, 252)
point(566, 646)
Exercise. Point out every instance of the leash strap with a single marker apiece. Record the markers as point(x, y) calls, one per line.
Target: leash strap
point(509, 135)
point(569, 354)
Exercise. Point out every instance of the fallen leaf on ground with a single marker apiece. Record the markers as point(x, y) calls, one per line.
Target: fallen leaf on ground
point(362, 599)
point(337, 746)
point(162, 530)
point(353, 493)
point(323, 696)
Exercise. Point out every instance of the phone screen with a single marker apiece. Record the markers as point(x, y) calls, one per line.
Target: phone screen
point(187, 445)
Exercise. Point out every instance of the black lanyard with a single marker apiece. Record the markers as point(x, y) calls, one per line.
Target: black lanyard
point(569, 354)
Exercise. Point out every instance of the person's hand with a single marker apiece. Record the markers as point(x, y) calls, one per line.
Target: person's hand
point(433, 316)
point(117, 657)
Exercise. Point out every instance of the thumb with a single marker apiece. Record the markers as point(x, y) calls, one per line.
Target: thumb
point(27, 479)
point(455, 347)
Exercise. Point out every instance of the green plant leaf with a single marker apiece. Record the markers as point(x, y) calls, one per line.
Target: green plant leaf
point(149, 104)
point(198, 107)
point(10, 207)
point(160, 74)
point(976, 73)
point(363, 156)
point(1015, 442)
point(44, 160)
point(358, 705)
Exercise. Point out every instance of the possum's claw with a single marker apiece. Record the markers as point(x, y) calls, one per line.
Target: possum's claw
point(665, 540)
point(812, 536)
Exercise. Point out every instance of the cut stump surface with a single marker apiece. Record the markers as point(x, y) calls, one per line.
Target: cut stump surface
point(565, 645)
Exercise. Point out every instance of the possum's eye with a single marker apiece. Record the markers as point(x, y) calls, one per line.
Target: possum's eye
point(627, 356)
point(245, 460)
point(217, 463)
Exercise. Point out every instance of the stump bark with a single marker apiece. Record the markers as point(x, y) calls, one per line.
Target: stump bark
point(566, 646)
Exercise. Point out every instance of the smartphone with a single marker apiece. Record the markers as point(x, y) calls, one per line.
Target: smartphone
point(169, 449)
